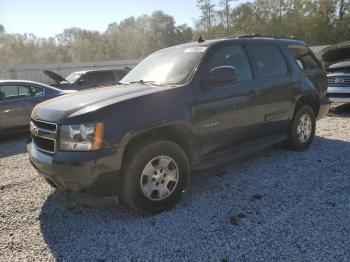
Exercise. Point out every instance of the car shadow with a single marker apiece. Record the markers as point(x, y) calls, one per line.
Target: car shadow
point(13, 144)
point(75, 231)
point(339, 110)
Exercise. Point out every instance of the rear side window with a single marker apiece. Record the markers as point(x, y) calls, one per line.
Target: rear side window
point(305, 59)
point(270, 61)
point(232, 55)
point(36, 91)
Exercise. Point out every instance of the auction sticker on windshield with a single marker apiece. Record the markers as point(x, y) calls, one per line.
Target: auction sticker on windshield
point(195, 49)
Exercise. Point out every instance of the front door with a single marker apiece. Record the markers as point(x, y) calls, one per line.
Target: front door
point(230, 113)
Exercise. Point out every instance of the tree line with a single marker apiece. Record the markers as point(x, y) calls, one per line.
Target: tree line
point(318, 22)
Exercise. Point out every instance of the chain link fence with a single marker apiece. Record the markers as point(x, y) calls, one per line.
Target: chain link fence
point(34, 72)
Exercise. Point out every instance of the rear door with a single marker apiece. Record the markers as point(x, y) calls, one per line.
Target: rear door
point(279, 85)
point(229, 113)
point(15, 106)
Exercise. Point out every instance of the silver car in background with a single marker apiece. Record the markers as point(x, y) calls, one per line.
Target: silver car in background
point(336, 61)
point(17, 100)
point(339, 82)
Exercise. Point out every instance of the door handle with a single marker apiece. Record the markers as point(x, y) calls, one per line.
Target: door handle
point(254, 93)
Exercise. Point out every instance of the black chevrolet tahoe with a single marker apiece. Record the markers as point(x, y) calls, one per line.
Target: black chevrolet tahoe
point(182, 108)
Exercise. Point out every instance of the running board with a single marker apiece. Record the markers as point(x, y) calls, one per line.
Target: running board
point(239, 151)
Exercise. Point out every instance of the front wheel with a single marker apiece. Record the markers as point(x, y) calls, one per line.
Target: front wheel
point(302, 130)
point(155, 177)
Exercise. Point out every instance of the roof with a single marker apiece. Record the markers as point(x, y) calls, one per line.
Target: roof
point(98, 70)
point(23, 82)
point(28, 82)
point(247, 37)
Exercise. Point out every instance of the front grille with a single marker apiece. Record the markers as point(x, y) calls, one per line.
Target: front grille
point(46, 144)
point(339, 81)
point(339, 95)
point(45, 125)
point(44, 135)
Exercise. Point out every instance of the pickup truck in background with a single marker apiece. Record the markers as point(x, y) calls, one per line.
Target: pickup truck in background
point(87, 79)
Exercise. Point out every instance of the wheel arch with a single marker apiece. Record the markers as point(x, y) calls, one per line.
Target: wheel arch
point(310, 99)
point(179, 134)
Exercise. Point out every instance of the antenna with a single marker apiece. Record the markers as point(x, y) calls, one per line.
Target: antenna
point(201, 39)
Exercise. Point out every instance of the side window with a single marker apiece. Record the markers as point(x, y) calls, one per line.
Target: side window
point(89, 78)
point(270, 61)
point(305, 59)
point(12, 92)
point(23, 91)
point(120, 74)
point(36, 91)
point(8, 92)
point(106, 76)
point(232, 55)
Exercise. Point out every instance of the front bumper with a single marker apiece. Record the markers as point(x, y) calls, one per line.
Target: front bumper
point(339, 94)
point(325, 104)
point(95, 173)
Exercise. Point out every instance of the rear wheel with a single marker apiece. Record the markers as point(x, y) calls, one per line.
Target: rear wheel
point(302, 130)
point(155, 177)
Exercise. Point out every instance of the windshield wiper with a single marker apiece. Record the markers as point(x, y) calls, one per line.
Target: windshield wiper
point(143, 82)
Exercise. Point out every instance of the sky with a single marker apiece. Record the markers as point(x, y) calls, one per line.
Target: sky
point(48, 18)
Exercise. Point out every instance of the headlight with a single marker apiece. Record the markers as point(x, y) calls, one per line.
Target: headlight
point(82, 137)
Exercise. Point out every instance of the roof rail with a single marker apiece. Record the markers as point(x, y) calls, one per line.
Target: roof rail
point(255, 35)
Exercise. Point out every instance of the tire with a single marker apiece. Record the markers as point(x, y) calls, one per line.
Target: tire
point(302, 130)
point(155, 177)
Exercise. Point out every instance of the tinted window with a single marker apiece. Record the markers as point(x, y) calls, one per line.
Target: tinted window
point(106, 76)
point(305, 59)
point(120, 74)
point(270, 62)
point(89, 78)
point(233, 55)
point(36, 91)
point(14, 92)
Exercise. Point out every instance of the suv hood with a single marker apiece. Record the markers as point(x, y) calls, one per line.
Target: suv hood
point(54, 76)
point(83, 102)
point(334, 55)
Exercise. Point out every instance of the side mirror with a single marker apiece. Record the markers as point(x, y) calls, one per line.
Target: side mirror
point(221, 74)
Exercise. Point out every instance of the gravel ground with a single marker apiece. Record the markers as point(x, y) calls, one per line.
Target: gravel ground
point(274, 205)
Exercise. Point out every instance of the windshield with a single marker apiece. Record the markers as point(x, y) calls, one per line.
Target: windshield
point(73, 77)
point(166, 67)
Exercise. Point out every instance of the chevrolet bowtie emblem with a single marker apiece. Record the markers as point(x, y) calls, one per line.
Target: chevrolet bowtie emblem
point(34, 131)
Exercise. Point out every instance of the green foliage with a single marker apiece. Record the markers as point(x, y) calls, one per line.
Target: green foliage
point(132, 38)
point(318, 22)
